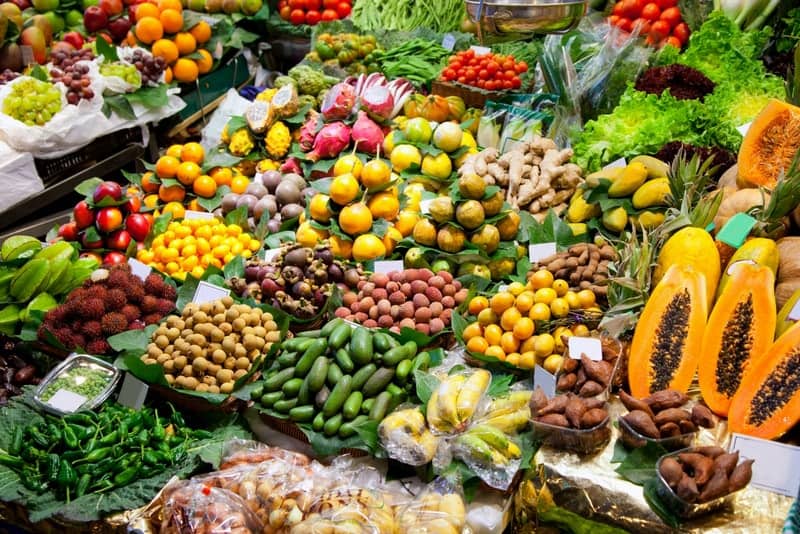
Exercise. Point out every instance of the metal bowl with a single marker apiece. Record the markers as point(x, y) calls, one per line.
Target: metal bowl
point(519, 17)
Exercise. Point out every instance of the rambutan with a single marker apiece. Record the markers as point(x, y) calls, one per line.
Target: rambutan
point(78, 340)
point(113, 323)
point(165, 306)
point(149, 304)
point(118, 278)
point(79, 293)
point(76, 326)
point(115, 299)
point(97, 291)
point(92, 329)
point(56, 315)
point(169, 292)
point(97, 346)
point(153, 284)
point(65, 337)
point(135, 291)
point(130, 312)
point(151, 318)
point(136, 325)
point(92, 308)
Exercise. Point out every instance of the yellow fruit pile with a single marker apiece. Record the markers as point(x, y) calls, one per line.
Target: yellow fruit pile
point(191, 246)
point(161, 25)
point(506, 323)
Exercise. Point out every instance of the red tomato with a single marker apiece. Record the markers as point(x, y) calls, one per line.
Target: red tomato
point(456, 64)
point(672, 15)
point(470, 74)
point(659, 30)
point(665, 4)
point(469, 52)
point(343, 9)
point(285, 12)
point(297, 17)
point(521, 67)
point(651, 11)
point(681, 32)
point(329, 4)
point(462, 79)
point(516, 83)
point(313, 17)
point(618, 9)
point(492, 67)
point(509, 74)
point(313, 5)
point(329, 14)
point(508, 64)
point(672, 40)
point(632, 8)
point(483, 74)
point(507, 84)
point(282, 3)
point(625, 25)
point(297, 4)
point(481, 84)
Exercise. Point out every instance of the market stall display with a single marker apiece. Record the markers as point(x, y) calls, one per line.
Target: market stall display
point(447, 284)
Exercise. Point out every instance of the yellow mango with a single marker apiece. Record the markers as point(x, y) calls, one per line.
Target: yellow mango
point(631, 179)
point(579, 210)
point(652, 193)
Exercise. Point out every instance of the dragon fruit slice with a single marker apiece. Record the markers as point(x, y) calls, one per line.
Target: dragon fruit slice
point(339, 102)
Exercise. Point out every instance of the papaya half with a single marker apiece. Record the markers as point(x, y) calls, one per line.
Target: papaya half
point(759, 250)
point(770, 144)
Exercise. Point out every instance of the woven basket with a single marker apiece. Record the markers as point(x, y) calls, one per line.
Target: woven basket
point(473, 97)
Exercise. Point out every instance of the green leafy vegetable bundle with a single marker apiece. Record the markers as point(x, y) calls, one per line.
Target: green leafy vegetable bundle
point(439, 15)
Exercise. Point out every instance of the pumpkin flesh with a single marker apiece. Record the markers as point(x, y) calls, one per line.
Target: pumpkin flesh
point(769, 145)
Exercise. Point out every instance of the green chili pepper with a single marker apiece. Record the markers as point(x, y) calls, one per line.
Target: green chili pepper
point(83, 485)
point(11, 461)
point(54, 432)
point(70, 439)
point(110, 438)
point(82, 432)
point(66, 475)
point(177, 417)
point(53, 464)
point(154, 458)
point(39, 439)
point(202, 434)
point(123, 431)
point(30, 479)
point(98, 454)
point(16, 441)
point(143, 437)
point(79, 419)
point(125, 477)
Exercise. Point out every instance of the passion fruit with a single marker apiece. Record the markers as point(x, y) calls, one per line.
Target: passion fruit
point(441, 209)
point(470, 214)
point(487, 238)
point(472, 186)
point(508, 226)
point(451, 239)
point(424, 233)
point(493, 204)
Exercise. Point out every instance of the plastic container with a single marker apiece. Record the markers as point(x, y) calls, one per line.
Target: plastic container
point(73, 362)
point(610, 346)
point(634, 440)
point(680, 507)
point(579, 441)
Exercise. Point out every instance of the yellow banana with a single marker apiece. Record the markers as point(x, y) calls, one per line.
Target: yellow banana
point(435, 419)
point(509, 403)
point(447, 401)
point(452, 505)
point(471, 393)
point(511, 422)
point(497, 439)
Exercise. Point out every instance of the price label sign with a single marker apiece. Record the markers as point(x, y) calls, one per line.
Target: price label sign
point(590, 346)
point(540, 251)
point(271, 254)
point(545, 380)
point(133, 392)
point(794, 313)
point(206, 292)
point(203, 215)
point(744, 128)
point(448, 42)
point(776, 467)
point(616, 164)
point(425, 206)
point(139, 269)
point(67, 401)
point(736, 230)
point(480, 50)
point(385, 267)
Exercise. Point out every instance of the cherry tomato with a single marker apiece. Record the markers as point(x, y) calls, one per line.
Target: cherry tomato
point(651, 11)
point(642, 25)
point(632, 8)
point(329, 14)
point(673, 41)
point(508, 64)
point(343, 9)
point(681, 32)
point(462, 80)
point(665, 4)
point(470, 74)
point(509, 74)
point(492, 67)
point(456, 64)
point(313, 5)
point(313, 17)
point(297, 4)
point(469, 53)
point(618, 9)
point(283, 3)
point(286, 11)
point(481, 84)
point(516, 83)
point(521, 67)
point(507, 84)
point(659, 30)
point(672, 15)
point(449, 74)
point(297, 17)
point(329, 4)
point(625, 25)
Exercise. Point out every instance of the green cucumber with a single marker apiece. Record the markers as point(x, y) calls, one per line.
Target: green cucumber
point(363, 374)
point(318, 422)
point(378, 381)
point(366, 406)
point(310, 334)
point(332, 425)
point(396, 355)
point(382, 341)
point(352, 405)
point(422, 361)
point(301, 414)
point(288, 359)
point(402, 370)
point(344, 361)
point(337, 397)
point(348, 429)
point(284, 405)
point(334, 375)
point(318, 374)
point(361, 346)
point(394, 389)
point(339, 336)
point(296, 344)
point(381, 406)
point(313, 352)
point(275, 382)
point(292, 387)
point(330, 326)
point(257, 392)
point(321, 396)
point(304, 396)
point(269, 399)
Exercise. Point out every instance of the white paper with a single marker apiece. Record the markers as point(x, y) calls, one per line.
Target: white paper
point(425, 206)
point(540, 251)
point(794, 313)
point(776, 467)
point(133, 392)
point(502, 287)
point(545, 380)
point(616, 164)
point(139, 269)
point(384, 266)
point(271, 254)
point(448, 42)
point(67, 401)
point(590, 346)
point(744, 128)
point(206, 292)
point(480, 50)
point(198, 215)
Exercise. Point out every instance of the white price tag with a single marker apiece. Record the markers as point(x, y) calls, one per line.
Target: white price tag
point(794, 313)
point(425, 206)
point(206, 292)
point(198, 215)
point(545, 380)
point(616, 164)
point(776, 467)
point(67, 401)
point(502, 287)
point(480, 50)
point(384, 266)
point(271, 254)
point(540, 251)
point(133, 392)
point(139, 269)
point(448, 42)
point(744, 128)
point(590, 346)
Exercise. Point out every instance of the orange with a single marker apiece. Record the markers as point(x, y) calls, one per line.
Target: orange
point(524, 301)
point(201, 31)
point(540, 312)
point(318, 208)
point(513, 358)
point(496, 352)
point(384, 206)
point(545, 295)
point(523, 329)
point(164, 48)
point(170, 193)
point(368, 247)
point(572, 299)
point(493, 334)
point(308, 236)
point(509, 343)
point(527, 345)
point(356, 219)
point(510, 318)
point(545, 344)
point(527, 360)
point(170, 4)
point(586, 298)
point(222, 175)
point(580, 330)
point(239, 183)
point(186, 43)
point(477, 344)
point(130, 39)
point(487, 317)
point(167, 167)
point(478, 304)
point(391, 239)
point(375, 173)
point(193, 152)
point(204, 65)
point(515, 288)
point(341, 248)
point(344, 189)
point(174, 150)
point(147, 183)
point(188, 171)
point(204, 186)
point(171, 20)
point(501, 302)
point(176, 209)
point(542, 278)
point(194, 205)
point(472, 330)
point(149, 29)
point(151, 201)
point(185, 70)
point(405, 222)
point(146, 10)
point(559, 307)
point(561, 287)
point(168, 75)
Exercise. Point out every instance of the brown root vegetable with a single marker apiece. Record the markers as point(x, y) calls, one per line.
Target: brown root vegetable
point(591, 388)
point(701, 467)
point(599, 371)
point(593, 417)
point(687, 489)
point(671, 415)
point(669, 430)
point(538, 400)
point(664, 399)
point(642, 423)
point(555, 419)
point(555, 405)
point(570, 365)
point(712, 451)
point(632, 403)
point(591, 404)
point(687, 427)
point(741, 475)
point(581, 374)
point(727, 462)
point(716, 487)
point(671, 471)
point(702, 416)
point(566, 382)
point(574, 411)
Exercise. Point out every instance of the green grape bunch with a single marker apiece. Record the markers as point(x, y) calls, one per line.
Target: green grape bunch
point(127, 72)
point(32, 102)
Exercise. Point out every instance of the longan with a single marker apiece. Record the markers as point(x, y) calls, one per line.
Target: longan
point(187, 371)
point(248, 331)
point(227, 387)
point(200, 317)
point(169, 378)
point(188, 323)
point(180, 381)
point(195, 351)
point(169, 366)
point(149, 361)
point(217, 335)
point(173, 333)
point(200, 365)
point(180, 362)
point(162, 358)
point(259, 331)
point(218, 319)
point(239, 351)
point(191, 383)
point(209, 380)
point(226, 301)
point(206, 307)
point(231, 314)
point(271, 326)
point(243, 362)
point(213, 369)
point(219, 356)
point(230, 363)
point(153, 351)
point(225, 375)
point(162, 341)
point(226, 328)
point(239, 373)
point(239, 324)
point(201, 388)
point(273, 336)
point(213, 389)
point(160, 331)
point(228, 344)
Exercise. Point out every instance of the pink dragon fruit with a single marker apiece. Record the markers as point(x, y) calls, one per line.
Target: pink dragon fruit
point(367, 134)
point(339, 102)
point(309, 131)
point(378, 102)
point(292, 164)
point(330, 141)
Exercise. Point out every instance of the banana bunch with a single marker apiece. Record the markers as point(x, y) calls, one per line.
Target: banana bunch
point(342, 511)
point(454, 402)
point(434, 513)
point(488, 446)
point(405, 435)
point(643, 183)
point(510, 413)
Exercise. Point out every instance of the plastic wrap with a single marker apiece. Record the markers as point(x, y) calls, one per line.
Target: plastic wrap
point(240, 451)
point(405, 436)
point(350, 510)
point(200, 509)
point(491, 124)
point(440, 509)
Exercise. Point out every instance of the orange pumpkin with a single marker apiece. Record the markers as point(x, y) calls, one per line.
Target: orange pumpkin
point(770, 144)
point(456, 106)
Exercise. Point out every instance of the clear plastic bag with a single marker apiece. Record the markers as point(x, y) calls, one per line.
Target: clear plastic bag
point(350, 510)
point(200, 509)
point(405, 436)
point(457, 399)
point(439, 509)
point(240, 451)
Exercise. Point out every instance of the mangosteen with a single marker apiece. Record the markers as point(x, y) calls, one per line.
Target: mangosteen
point(256, 189)
point(271, 179)
point(238, 285)
point(252, 271)
point(290, 211)
point(325, 254)
point(298, 257)
point(229, 202)
point(247, 200)
point(292, 274)
point(351, 277)
point(269, 286)
point(319, 297)
point(302, 289)
point(335, 273)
